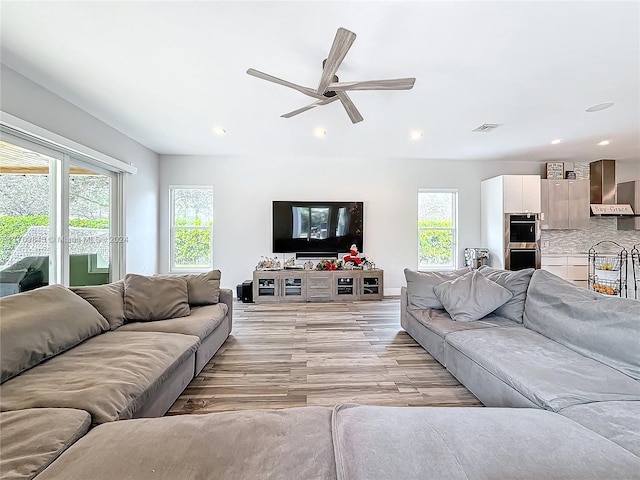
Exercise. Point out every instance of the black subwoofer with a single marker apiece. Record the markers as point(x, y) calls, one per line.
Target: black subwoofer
point(247, 291)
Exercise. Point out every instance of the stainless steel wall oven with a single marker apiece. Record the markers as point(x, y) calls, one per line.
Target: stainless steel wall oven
point(522, 242)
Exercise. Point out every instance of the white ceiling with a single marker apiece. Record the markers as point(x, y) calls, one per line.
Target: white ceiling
point(165, 73)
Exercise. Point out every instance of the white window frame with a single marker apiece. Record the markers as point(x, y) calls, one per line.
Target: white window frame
point(172, 229)
point(64, 153)
point(453, 229)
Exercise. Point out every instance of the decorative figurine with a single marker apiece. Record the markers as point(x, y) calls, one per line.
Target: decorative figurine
point(353, 256)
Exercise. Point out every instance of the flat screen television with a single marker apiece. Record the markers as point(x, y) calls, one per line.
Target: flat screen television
point(322, 228)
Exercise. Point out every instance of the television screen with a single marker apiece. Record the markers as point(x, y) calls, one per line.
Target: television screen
point(317, 227)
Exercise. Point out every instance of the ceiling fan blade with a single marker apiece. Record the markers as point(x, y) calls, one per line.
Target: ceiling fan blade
point(392, 84)
point(341, 45)
point(348, 105)
point(279, 81)
point(319, 103)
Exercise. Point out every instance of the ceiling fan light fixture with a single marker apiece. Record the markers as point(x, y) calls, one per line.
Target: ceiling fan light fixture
point(330, 88)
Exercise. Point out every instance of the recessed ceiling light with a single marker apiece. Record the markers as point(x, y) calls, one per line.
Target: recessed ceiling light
point(219, 131)
point(604, 142)
point(599, 106)
point(415, 134)
point(320, 132)
point(556, 141)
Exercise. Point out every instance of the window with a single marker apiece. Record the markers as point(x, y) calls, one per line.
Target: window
point(191, 228)
point(58, 217)
point(437, 229)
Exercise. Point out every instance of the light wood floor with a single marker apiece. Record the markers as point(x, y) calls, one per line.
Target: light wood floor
point(292, 355)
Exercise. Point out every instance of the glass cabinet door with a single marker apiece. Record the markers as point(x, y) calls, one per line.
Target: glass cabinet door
point(345, 286)
point(293, 286)
point(267, 287)
point(370, 285)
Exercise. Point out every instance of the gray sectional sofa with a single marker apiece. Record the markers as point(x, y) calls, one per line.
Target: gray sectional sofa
point(551, 346)
point(347, 442)
point(85, 356)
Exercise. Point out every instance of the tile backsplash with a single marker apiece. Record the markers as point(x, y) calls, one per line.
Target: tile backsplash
point(580, 241)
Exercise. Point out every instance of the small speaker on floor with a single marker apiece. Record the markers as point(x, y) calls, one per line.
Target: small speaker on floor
point(247, 291)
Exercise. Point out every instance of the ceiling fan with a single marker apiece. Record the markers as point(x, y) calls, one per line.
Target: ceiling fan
point(330, 88)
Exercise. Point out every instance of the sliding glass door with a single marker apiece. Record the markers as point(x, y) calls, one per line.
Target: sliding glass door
point(89, 232)
point(59, 222)
point(27, 216)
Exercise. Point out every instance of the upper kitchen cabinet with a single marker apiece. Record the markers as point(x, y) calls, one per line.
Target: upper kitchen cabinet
point(521, 193)
point(565, 204)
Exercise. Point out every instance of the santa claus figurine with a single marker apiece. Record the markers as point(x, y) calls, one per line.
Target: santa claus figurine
point(353, 255)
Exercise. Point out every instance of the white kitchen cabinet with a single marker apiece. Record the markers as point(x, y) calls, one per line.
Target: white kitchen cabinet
point(521, 193)
point(573, 268)
point(565, 204)
point(531, 193)
point(499, 197)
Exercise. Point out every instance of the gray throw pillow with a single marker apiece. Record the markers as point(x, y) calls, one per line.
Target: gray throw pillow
point(471, 297)
point(204, 289)
point(155, 298)
point(41, 323)
point(517, 283)
point(107, 299)
point(420, 286)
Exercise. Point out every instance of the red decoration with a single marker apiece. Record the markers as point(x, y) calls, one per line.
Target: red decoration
point(353, 256)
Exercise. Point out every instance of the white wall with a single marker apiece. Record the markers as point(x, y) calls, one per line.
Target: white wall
point(244, 188)
point(29, 101)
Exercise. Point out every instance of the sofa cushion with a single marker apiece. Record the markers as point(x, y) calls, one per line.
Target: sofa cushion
point(617, 421)
point(41, 323)
point(471, 296)
point(517, 283)
point(33, 438)
point(154, 298)
point(420, 286)
point(440, 322)
point(436, 443)
point(548, 374)
point(585, 321)
point(429, 328)
point(254, 444)
point(110, 376)
point(200, 323)
point(204, 288)
point(107, 299)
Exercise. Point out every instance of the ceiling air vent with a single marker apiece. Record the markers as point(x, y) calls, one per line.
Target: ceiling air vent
point(486, 127)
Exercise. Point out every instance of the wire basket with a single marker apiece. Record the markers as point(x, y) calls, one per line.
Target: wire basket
point(607, 263)
point(608, 268)
point(608, 287)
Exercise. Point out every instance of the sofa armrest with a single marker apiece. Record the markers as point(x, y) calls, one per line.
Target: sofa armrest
point(404, 301)
point(226, 297)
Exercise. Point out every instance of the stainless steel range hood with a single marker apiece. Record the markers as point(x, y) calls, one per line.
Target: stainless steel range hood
point(602, 174)
point(605, 193)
